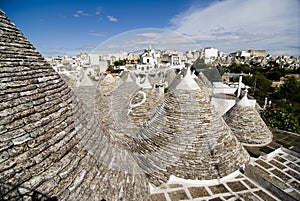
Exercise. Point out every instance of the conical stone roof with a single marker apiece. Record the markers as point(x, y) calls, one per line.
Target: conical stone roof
point(143, 81)
point(49, 145)
point(106, 86)
point(123, 107)
point(142, 106)
point(126, 76)
point(103, 97)
point(155, 78)
point(85, 81)
point(169, 76)
point(116, 109)
point(176, 80)
point(247, 124)
point(85, 91)
point(186, 138)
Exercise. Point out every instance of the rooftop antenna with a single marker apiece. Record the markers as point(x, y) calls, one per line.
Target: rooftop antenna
point(239, 86)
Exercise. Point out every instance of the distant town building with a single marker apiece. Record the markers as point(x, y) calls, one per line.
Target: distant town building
point(144, 68)
point(210, 54)
point(129, 137)
point(146, 58)
point(257, 53)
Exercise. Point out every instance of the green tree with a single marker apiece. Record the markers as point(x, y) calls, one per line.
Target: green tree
point(120, 62)
point(239, 68)
point(260, 86)
point(279, 117)
point(285, 111)
point(117, 63)
point(110, 68)
point(276, 74)
point(290, 90)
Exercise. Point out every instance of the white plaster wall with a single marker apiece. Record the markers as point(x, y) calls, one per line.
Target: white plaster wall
point(222, 105)
point(211, 52)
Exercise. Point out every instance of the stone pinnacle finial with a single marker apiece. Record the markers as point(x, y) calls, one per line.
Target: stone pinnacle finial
point(188, 82)
point(146, 84)
point(245, 102)
point(129, 79)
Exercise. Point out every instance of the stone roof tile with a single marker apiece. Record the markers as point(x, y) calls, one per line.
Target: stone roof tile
point(247, 124)
point(188, 82)
point(50, 143)
point(185, 137)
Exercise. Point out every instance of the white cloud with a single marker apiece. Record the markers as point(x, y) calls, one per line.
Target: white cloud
point(80, 13)
point(231, 25)
point(112, 18)
point(98, 10)
point(140, 39)
point(96, 34)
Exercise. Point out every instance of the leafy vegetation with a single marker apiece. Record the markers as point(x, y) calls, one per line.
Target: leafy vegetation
point(120, 62)
point(112, 69)
point(260, 86)
point(284, 112)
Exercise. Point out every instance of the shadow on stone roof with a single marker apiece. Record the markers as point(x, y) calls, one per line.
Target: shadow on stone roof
point(107, 141)
point(50, 142)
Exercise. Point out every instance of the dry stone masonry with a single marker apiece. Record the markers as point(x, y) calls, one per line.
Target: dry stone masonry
point(113, 106)
point(49, 143)
point(187, 139)
point(107, 141)
point(247, 125)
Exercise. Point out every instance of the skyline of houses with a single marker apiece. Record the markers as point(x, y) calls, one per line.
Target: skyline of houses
point(127, 138)
point(151, 60)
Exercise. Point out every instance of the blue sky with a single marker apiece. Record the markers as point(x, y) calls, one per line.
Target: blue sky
point(60, 27)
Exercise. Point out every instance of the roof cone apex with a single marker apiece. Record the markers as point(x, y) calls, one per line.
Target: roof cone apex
point(188, 82)
point(145, 83)
point(129, 79)
point(109, 75)
point(245, 102)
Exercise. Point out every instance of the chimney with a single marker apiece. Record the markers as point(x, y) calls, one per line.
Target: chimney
point(240, 86)
point(266, 102)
